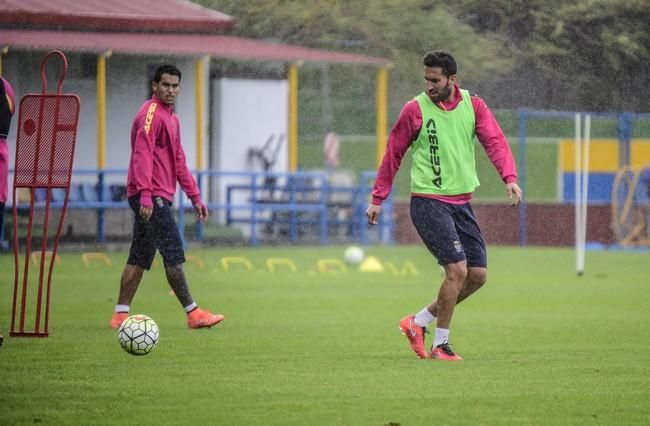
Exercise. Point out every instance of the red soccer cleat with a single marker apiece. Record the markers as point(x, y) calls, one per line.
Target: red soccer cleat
point(199, 318)
point(444, 352)
point(117, 319)
point(415, 334)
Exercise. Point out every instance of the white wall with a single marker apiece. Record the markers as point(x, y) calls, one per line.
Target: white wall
point(246, 113)
point(249, 112)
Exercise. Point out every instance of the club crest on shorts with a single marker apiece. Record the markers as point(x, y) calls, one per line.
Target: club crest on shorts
point(458, 246)
point(159, 201)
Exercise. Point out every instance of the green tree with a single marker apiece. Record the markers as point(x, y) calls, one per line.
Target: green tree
point(581, 54)
point(587, 54)
point(401, 30)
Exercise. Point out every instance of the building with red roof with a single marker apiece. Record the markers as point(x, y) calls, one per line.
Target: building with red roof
point(112, 46)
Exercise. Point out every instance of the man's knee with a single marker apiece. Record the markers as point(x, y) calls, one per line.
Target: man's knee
point(477, 276)
point(456, 272)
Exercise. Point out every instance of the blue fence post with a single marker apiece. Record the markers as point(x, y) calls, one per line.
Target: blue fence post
point(523, 228)
point(294, 186)
point(254, 241)
point(363, 224)
point(199, 225)
point(388, 223)
point(359, 221)
point(101, 222)
point(324, 213)
point(624, 138)
point(391, 226)
point(385, 218)
point(351, 221)
point(229, 190)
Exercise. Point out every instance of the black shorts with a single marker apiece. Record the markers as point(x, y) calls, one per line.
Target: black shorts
point(450, 231)
point(158, 233)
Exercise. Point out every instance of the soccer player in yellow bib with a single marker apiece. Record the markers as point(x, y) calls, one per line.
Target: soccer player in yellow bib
point(439, 126)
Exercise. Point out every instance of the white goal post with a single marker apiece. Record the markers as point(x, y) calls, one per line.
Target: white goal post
point(582, 142)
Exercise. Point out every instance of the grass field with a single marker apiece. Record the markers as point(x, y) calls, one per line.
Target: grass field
point(541, 346)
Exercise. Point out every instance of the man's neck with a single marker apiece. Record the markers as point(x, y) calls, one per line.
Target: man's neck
point(451, 101)
point(452, 95)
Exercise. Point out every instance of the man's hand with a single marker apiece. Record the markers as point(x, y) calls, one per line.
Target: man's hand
point(145, 212)
point(514, 193)
point(201, 211)
point(372, 213)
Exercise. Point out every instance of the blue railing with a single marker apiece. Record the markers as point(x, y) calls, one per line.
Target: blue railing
point(293, 201)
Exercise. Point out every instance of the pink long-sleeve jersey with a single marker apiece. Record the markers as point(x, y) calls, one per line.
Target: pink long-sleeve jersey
point(407, 128)
point(157, 156)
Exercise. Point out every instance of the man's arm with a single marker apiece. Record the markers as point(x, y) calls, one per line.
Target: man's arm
point(406, 129)
point(145, 127)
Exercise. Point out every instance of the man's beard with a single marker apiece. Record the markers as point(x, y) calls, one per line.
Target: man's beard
point(440, 95)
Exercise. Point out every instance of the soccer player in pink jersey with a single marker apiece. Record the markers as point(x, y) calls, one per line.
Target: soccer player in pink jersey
point(157, 164)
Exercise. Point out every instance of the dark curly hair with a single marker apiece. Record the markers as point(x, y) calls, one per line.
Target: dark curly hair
point(439, 58)
point(166, 69)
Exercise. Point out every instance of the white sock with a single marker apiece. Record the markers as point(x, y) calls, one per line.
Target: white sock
point(122, 308)
point(424, 318)
point(442, 336)
point(189, 308)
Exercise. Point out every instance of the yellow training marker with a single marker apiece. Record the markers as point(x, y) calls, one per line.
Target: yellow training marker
point(271, 263)
point(87, 257)
point(409, 268)
point(36, 257)
point(227, 261)
point(371, 264)
point(325, 265)
point(391, 268)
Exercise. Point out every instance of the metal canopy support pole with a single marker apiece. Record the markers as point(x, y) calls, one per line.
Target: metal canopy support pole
point(101, 138)
point(382, 112)
point(199, 97)
point(101, 109)
point(292, 76)
point(3, 52)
